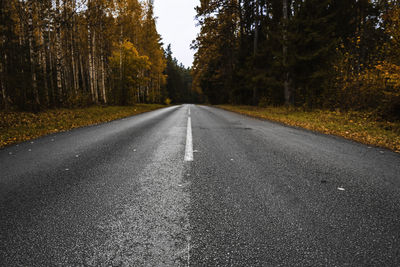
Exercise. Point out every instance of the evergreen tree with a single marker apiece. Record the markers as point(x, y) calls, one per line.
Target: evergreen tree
point(179, 80)
point(294, 52)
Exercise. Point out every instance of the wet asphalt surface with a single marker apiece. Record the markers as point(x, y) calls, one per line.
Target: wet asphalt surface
point(257, 194)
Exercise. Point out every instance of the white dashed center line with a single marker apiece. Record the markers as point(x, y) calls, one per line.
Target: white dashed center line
point(189, 141)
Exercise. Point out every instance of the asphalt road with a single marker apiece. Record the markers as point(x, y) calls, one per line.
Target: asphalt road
point(134, 192)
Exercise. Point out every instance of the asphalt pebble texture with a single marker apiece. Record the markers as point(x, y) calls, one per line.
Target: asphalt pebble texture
point(256, 194)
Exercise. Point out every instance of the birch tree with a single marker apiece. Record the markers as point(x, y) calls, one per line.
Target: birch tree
point(56, 53)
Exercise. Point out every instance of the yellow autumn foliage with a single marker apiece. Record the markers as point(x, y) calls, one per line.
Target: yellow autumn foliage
point(128, 72)
point(376, 84)
point(363, 127)
point(16, 127)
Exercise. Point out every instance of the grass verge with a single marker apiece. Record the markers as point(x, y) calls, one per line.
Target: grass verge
point(16, 127)
point(358, 126)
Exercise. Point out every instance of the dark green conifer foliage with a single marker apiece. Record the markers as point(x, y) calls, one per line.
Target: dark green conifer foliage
point(179, 81)
point(271, 52)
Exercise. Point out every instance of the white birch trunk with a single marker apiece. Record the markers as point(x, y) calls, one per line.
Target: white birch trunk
point(95, 72)
point(103, 78)
point(90, 61)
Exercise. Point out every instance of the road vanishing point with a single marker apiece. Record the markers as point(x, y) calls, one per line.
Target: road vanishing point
point(195, 185)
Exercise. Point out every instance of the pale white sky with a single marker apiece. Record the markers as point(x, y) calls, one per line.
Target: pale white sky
point(177, 26)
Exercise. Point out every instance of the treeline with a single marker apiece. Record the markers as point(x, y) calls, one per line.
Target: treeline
point(310, 53)
point(179, 81)
point(56, 53)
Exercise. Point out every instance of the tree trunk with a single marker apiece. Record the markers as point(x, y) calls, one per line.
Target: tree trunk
point(255, 45)
point(77, 74)
point(32, 58)
point(3, 64)
point(286, 83)
point(241, 23)
point(121, 86)
point(3, 83)
point(90, 61)
point(256, 16)
point(59, 97)
point(73, 56)
point(51, 62)
point(75, 30)
point(83, 76)
point(95, 72)
point(74, 75)
point(44, 67)
point(152, 91)
point(67, 79)
point(22, 58)
point(103, 78)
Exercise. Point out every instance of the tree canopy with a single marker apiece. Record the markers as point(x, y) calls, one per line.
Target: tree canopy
point(309, 53)
point(63, 53)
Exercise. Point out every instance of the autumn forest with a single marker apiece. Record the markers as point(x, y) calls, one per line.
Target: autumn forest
point(331, 54)
point(82, 52)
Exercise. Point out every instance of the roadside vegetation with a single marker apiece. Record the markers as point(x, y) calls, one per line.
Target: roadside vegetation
point(307, 54)
point(68, 64)
point(16, 127)
point(326, 65)
point(362, 127)
point(313, 55)
point(68, 54)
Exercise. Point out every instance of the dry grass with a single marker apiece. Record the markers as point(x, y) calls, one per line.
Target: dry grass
point(357, 126)
point(16, 127)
